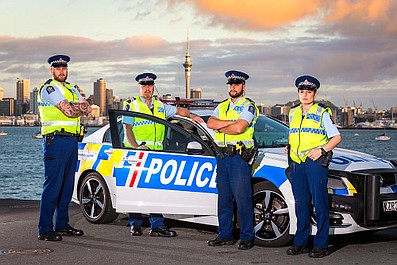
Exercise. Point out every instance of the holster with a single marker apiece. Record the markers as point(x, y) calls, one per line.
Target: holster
point(249, 155)
point(327, 157)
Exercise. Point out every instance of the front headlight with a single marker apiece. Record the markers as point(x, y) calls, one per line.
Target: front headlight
point(336, 184)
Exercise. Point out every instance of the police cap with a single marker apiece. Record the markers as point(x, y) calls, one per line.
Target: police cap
point(146, 78)
point(59, 60)
point(236, 77)
point(307, 82)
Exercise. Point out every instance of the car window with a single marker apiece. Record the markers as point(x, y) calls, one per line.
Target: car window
point(269, 132)
point(176, 137)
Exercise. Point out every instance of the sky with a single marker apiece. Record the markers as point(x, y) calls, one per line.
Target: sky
point(349, 45)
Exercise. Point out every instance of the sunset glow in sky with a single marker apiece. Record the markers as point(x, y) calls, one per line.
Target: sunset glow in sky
point(349, 45)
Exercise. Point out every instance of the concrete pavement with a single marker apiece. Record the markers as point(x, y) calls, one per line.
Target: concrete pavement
point(112, 244)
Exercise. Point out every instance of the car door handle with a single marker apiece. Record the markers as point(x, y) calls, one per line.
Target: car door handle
point(108, 152)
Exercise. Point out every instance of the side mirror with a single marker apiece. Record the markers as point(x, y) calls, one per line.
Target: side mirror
point(194, 148)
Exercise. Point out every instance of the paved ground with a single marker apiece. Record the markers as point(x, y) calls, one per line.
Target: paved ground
point(112, 244)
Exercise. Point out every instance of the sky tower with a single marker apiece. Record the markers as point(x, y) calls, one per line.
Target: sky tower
point(188, 67)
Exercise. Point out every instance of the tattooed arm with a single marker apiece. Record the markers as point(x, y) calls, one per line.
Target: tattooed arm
point(74, 110)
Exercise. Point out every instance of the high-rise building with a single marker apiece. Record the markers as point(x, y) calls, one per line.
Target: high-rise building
point(23, 94)
point(100, 95)
point(23, 90)
point(7, 107)
point(1, 93)
point(33, 101)
point(109, 99)
point(188, 68)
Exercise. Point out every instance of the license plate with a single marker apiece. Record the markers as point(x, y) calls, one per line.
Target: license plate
point(390, 206)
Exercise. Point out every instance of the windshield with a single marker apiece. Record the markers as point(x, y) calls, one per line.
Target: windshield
point(270, 132)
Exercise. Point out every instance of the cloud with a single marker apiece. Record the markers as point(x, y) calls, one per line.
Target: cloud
point(347, 16)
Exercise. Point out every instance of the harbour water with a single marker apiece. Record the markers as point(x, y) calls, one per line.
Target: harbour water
point(21, 162)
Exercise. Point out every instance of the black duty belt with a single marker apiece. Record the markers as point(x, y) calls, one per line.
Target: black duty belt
point(56, 133)
point(231, 150)
point(249, 155)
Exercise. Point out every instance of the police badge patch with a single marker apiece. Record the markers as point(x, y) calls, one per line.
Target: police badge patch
point(251, 109)
point(50, 89)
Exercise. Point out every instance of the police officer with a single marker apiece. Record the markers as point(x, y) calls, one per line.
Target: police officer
point(233, 122)
point(312, 136)
point(60, 107)
point(149, 136)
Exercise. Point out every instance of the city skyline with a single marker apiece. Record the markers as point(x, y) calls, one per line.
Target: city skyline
point(349, 45)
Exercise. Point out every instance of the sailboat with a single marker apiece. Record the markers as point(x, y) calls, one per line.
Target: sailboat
point(3, 133)
point(382, 137)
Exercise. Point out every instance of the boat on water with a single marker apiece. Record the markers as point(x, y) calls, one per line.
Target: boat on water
point(3, 133)
point(37, 136)
point(382, 137)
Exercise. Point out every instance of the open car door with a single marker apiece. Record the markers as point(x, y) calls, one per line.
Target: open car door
point(179, 179)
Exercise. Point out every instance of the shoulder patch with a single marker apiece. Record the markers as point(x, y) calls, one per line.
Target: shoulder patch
point(251, 109)
point(127, 107)
point(50, 89)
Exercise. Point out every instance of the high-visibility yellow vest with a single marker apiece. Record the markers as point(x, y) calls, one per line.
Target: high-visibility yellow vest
point(52, 119)
point(146, 130)
point(247, 137)
point(306, 133)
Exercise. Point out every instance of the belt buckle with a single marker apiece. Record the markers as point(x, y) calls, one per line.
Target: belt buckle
point(230, 150)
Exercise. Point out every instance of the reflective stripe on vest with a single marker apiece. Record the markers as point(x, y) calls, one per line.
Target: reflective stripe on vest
point(307, 133)
point(225, 113)
point(52, 119)
point(146, 130)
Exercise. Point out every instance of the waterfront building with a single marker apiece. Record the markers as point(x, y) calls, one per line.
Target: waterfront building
point(1, 93)
point(23, 95)
point(100, 95)
point(109, 100)
point(196, 93)
point(34, 109)
point(7, 107)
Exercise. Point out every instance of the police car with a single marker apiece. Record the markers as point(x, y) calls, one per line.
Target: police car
point(180, 180)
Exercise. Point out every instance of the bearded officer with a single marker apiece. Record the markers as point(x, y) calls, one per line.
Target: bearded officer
point(60, 107)
point(233, 122)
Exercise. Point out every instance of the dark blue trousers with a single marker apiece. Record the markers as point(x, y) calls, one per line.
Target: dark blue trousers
point(234, 182)
point(309, 184)
point(156, 220)
point(60, 160)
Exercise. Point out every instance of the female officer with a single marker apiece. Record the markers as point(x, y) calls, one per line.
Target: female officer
point(312, 135)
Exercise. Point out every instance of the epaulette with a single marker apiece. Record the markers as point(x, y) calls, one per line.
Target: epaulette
point(297, 105)
point(323, 105)
point(48, 82)
point(224, 100)
point(250, 100)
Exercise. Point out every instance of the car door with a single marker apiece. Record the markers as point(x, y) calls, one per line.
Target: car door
point(179, 179)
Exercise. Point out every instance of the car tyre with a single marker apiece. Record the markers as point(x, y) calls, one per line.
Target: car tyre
point(271, 216)
point(94, 199)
